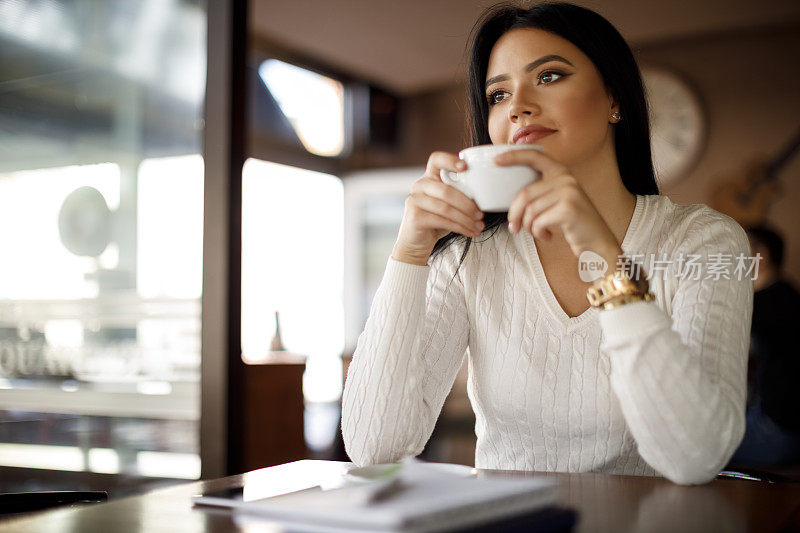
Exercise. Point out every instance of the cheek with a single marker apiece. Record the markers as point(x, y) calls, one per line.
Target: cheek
point(497, 128)
point(583, 114)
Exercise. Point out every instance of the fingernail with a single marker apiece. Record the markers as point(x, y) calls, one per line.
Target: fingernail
point(511, 227)
point(477, 215)
point(461, 165)
point(479, 226)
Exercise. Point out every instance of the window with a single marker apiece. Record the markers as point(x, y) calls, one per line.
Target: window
point(313, 104)
point(374, 205)
point(101, 201)
point(292, 263)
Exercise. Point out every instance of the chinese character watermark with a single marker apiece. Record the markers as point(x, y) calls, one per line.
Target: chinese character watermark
point(714, 266)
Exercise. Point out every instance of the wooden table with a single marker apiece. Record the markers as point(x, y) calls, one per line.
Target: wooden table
point(605, 503)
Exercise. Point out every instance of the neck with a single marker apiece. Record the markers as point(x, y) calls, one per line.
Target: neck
point(602, 182)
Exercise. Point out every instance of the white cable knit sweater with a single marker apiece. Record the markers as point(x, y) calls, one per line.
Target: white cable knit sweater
point(647, 388)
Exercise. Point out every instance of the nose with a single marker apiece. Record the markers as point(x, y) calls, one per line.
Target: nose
point(522, 106)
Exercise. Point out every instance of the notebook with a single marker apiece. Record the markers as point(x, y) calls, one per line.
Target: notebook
point(419, 500)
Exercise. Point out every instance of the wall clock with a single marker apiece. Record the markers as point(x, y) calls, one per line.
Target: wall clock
point(677, 124)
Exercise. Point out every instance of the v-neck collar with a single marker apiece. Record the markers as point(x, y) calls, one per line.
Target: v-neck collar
point(556, 312)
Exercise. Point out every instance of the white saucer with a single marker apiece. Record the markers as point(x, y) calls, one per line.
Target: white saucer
point(385, 471)
point(370, 473)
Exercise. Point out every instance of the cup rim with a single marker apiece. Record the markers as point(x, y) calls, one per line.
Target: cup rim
point(491, 150)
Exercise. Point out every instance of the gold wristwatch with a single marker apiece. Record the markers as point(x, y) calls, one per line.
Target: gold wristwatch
point(624, 285)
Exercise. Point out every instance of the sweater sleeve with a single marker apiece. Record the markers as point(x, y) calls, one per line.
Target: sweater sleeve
point(681, 381)
point(405, 361)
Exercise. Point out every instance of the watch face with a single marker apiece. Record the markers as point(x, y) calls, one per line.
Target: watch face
point(677, 125)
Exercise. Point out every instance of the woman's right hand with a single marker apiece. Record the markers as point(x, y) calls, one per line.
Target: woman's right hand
point(433, 209)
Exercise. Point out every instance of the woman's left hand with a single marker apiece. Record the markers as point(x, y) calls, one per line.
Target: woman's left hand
point(557, 201)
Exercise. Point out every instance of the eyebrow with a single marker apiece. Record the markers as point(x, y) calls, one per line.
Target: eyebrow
point(529, 67)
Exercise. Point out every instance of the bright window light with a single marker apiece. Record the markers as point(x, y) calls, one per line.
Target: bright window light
point(314, 105)
point(170, 227)
point(168, 464)
point(35, 264)
point(42, 456)
point(64, 333)
point(293, 263)
point(104, 461)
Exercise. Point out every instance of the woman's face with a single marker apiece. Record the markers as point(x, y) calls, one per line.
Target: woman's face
point(536, 78)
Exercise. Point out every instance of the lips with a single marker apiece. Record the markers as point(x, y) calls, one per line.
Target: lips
point(531, 134)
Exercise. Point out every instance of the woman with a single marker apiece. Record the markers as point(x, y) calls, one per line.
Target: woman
point(633, 385)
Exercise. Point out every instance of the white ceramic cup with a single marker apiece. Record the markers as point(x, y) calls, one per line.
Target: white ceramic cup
point(492, 187)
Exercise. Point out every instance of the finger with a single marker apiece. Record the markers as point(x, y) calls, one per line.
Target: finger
point(448, 161)
point(446, 210)
point(547, 222)
point(452, 196)
point(533, 158)
point(527, 195)
point(536, 208)
point(444, 160)
point(434, 221)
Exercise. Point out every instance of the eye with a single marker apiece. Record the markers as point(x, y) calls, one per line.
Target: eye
point(546, 77)
point(496, 97)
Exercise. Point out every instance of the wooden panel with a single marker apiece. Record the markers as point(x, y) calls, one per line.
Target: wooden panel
point(273, 415)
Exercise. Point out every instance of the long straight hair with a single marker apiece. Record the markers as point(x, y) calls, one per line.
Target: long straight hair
point(605, 47)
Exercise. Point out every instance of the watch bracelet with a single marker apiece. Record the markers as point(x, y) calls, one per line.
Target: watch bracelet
point(628, 298)
point(626, 280)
